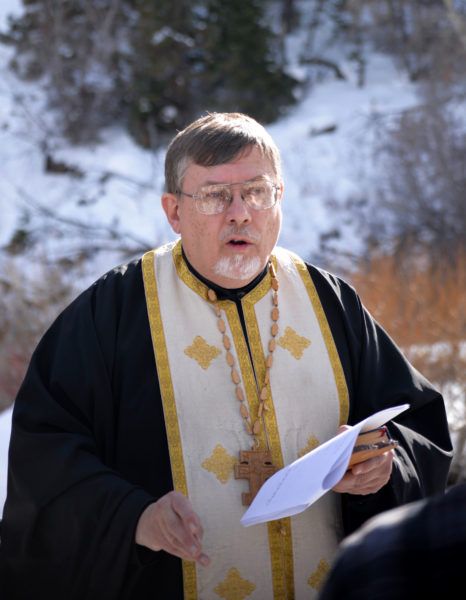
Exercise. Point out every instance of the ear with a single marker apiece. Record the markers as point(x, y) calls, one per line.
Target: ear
point(170, 204)
point(280, 193)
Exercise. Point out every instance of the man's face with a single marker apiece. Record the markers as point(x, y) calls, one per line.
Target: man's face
point(233, 247)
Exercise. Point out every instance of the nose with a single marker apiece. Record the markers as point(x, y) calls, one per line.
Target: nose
point(238, 211)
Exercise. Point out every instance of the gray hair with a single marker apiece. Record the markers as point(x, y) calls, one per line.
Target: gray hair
point(215, 140)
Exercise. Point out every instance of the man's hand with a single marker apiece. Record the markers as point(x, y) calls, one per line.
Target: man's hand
point(171, 524)
point(366, 477)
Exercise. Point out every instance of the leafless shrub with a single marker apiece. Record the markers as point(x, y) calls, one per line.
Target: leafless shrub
point(77, 62)
point(417, 200)
point(421, 198)
point(28, 304)
point(425, 36)
point(421, 304)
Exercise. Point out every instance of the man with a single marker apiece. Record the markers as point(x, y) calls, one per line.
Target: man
point(161, 398)
point(413, 551)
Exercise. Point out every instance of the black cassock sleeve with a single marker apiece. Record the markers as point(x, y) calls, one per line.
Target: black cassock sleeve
point(80, 469)
point(379, 376)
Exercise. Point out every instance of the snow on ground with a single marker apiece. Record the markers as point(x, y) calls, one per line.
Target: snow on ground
point(337, 165)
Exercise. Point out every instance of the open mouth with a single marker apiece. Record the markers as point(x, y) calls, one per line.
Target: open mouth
point(238, 242)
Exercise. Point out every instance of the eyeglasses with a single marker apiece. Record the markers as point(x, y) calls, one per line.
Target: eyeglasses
point(259, 194)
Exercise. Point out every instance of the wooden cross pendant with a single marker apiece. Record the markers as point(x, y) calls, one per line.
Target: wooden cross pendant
point(257, 467)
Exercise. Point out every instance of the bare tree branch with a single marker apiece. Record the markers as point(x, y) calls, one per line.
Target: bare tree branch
point(456, 20)
point(89, 228)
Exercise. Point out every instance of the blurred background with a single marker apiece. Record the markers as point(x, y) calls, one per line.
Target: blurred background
point(366, 100)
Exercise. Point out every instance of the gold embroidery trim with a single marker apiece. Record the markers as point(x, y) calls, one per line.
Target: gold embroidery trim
point(340, 380)
point(281, 547)
point(168, 401)
point(185, 274)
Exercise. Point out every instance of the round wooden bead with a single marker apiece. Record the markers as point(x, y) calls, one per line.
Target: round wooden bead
point(275, 314)
point(221, 325)
point(226, 342)
point(211, 295)
point(264, 393)
point(272, 345)
point(269, 361)
point(274, 329)
point(244, 411)
point(230, 359)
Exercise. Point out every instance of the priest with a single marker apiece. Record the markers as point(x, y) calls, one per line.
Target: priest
point(163, 396)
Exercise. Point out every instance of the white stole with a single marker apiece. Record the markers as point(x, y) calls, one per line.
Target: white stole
point(309, 399)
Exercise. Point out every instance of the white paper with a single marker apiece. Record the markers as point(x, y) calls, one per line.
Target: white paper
point(298, 485)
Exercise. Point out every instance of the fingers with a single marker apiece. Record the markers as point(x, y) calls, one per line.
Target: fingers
point(343, 428)
point(367, 477)
point(375, 466)
point(179, 531)
point(172, 525)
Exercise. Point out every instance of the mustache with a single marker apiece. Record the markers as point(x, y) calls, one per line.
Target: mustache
point(241, 232)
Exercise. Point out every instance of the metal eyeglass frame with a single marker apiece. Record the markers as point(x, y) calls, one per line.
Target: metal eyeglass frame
point(195, 196)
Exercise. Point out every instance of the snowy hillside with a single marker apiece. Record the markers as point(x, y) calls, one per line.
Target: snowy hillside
point(108, 195)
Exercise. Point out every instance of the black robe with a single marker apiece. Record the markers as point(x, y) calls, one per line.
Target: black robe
point(89, 449)
point(414, 551)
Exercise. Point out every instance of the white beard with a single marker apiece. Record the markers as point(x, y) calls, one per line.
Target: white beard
point(238, 267)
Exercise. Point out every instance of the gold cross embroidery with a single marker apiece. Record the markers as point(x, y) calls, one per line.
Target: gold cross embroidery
point(312, 443)
point(202, 352)
point(220, 463)
point(318, 577)
point(294, 343)
point(234, 587)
